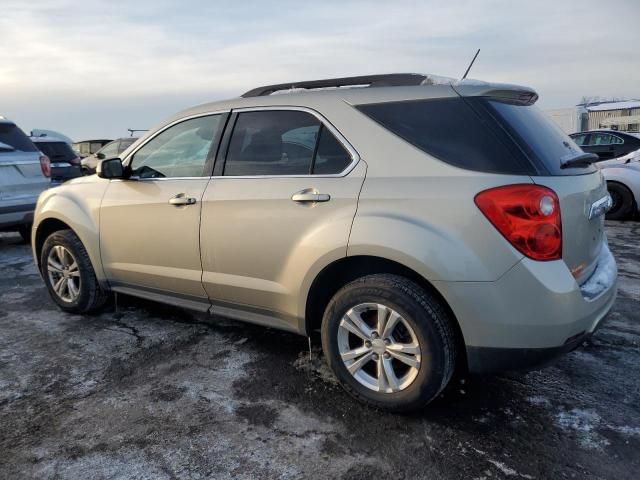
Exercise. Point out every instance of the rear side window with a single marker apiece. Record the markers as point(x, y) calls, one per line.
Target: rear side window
point(450, 130)
point(11, 135)
point(483, 134)
point(57, 151)
point(283, 142)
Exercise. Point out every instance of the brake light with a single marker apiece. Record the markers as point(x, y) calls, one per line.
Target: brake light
point(75, 161)
point(528, 216)
point(45, 165)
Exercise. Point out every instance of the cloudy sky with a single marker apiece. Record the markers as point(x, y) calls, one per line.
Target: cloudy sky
point(93, 69)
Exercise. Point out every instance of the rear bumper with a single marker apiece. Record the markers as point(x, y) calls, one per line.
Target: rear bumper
point(531, 315)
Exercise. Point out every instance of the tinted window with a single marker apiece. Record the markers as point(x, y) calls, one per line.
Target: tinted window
point(616, 140)
point(180, 151)
point(450, 130)
point(542, 141)
point(599, 139)
point(331, 157)
point(272, 143)
point(11, 135)
point(283, 143)
point(579, 139)
point(57, 151)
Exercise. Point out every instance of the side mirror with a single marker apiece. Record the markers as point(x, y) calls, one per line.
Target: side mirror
point(110, 168)
point(100, 156)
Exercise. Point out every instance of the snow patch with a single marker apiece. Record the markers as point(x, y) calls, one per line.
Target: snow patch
point(603, 277)
point(584, 423)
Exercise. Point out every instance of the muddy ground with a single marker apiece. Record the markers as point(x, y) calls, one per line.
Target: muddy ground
point(156, 392)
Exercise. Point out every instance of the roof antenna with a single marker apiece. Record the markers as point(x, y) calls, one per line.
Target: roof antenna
point(471, 64)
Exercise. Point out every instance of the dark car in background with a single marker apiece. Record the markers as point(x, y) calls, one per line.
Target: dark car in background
point(65, 163)
point(89, 147)
point(607, 144)
point(110, 150)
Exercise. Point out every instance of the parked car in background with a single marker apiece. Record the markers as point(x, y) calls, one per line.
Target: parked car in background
point(65, 163)
point(110, 150)
point(607, 144)
point(88, 147)
point(623, 182)
point(24, 174)
point(419, 227)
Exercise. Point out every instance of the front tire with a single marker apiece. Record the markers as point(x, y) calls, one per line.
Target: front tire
point(389, 342)
point(69, 275)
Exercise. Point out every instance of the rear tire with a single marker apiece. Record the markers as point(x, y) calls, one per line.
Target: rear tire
point(69, 275)
point(373, 366)
point(623, 202)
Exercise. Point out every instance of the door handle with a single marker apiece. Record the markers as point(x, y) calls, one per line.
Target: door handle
point(180, 200)
point(309, 195)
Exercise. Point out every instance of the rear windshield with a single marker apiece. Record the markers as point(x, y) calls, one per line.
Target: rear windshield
point(57, 151)
point(476, 133)
point(540, 138)
point(14, 137)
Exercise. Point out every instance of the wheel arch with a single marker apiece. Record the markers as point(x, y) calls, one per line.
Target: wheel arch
point(344, 270)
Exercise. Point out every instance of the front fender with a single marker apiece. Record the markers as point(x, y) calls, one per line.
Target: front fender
point(78, 206)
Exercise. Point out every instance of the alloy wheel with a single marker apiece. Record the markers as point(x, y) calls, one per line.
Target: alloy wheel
point(379, 348)
point(64, 274)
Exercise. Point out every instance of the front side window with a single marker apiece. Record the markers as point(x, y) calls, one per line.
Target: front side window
point(179, 151)
point(283, 142)
point(579, 139)
point(110, 150)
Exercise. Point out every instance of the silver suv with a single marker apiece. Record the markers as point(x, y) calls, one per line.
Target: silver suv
point(420, 226)
point(24, 172)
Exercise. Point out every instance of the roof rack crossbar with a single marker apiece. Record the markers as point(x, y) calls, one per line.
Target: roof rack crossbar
point(386, 80)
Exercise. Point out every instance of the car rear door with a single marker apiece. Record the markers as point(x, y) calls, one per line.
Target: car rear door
point(282, 200)
point(149, 224)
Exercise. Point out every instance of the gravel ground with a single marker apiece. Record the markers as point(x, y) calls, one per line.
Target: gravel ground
point(155, 392)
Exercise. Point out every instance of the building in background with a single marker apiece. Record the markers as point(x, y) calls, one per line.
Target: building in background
point(622, 115)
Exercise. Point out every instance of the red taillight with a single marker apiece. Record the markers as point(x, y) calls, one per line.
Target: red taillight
point(45, 165)
point(75, 161)
point(528, 216)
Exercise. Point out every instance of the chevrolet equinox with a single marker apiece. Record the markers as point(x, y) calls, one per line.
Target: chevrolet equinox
point(421, 225)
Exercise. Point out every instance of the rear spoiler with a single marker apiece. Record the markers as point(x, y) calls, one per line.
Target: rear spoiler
point(515, 94)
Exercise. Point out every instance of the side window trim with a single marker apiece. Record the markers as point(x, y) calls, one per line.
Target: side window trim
point(208, 167)
point(218, 171)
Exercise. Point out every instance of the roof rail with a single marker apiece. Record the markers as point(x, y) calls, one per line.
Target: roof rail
point(386, 80)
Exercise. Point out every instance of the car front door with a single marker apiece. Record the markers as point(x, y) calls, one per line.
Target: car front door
point(281, 202)
point(149, 223)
